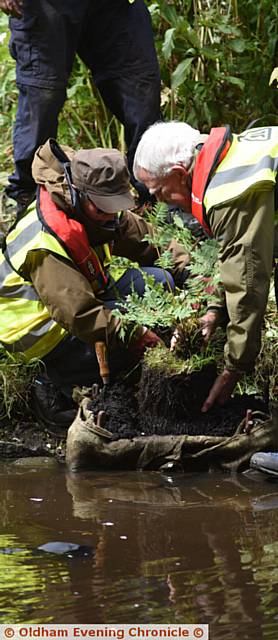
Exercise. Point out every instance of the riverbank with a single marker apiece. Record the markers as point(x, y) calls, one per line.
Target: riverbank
point(121, 414)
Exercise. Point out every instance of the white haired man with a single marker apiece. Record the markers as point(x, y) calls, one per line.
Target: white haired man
point(229, 183)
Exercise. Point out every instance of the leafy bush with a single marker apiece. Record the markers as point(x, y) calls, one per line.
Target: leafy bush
point(216, 60)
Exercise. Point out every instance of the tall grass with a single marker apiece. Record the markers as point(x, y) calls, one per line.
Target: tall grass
point(15, 383)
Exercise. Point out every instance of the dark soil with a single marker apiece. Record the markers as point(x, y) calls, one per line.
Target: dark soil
point(129, 412)
point(178, 397)
point(21, 437)
point(125, 419)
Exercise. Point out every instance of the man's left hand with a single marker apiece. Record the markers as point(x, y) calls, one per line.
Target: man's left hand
point(222, 389)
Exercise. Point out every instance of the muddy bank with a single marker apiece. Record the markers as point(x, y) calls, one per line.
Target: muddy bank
point(127, 414)
point(20, 438)
point(127, 417)
point(130, 410)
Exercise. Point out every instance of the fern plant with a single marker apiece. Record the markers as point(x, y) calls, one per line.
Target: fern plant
point(171, 309)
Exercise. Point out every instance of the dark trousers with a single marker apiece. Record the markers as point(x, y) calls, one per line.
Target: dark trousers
point(73, 362)
point(113, 38)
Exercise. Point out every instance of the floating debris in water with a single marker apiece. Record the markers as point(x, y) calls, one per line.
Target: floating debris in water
point(69, 549)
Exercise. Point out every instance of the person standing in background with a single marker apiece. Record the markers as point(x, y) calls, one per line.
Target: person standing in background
point(113, 38)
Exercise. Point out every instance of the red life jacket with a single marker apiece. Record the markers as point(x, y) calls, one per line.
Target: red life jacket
point(73, 237)
point(210, 156)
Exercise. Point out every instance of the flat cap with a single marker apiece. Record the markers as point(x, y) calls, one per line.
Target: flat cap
point(102, 174)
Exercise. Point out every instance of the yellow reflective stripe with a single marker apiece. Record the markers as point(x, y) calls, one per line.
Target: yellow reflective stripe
point(20, 316)
point(34, 238)
point(47, 241)
point(42, 240)
point(29, 219)
point(47, 343)
point(251, 159)
point(230, 191)
point(117, 272)
point(245, 172)
point(25, 323)
point(40, 347)
point(107, 255)
point(17, 290)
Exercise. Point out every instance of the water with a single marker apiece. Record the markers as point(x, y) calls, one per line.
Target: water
point(185, 549)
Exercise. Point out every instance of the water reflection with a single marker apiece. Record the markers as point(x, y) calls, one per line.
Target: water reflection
point(195, 548)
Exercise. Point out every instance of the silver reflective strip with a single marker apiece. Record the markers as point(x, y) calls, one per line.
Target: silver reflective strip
point(241, 173)
point(5, 270)
point(18, 291)
point(28, 341)
point(25, 235)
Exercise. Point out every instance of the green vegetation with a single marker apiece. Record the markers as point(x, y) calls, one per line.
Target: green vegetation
point(15, 382)
point(218, 65)
point(167, 309)
point(264, 382)
point(165, 361)
point(216, 60)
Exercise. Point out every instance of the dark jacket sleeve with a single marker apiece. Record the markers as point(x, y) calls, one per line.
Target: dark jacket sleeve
point(70, 299)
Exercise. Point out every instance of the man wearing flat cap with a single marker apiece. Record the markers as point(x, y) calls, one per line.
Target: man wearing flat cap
point(56, 287)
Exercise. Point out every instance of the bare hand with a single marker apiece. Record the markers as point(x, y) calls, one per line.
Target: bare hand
point(147, 340)
point(209, 322)
point(174, 340)
point(12, 7)
point(222, 388)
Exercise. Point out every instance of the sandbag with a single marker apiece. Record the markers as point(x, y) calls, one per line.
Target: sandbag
point(91, 447)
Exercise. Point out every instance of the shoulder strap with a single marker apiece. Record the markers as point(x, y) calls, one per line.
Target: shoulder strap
point(210, 156)
point(62, 157)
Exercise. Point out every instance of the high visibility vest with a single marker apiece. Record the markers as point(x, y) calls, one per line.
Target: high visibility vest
point(25, 323)
point(208, 159)
point(72, 235)
point(251, 159)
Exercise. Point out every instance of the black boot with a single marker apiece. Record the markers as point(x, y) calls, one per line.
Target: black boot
point(51, 407)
